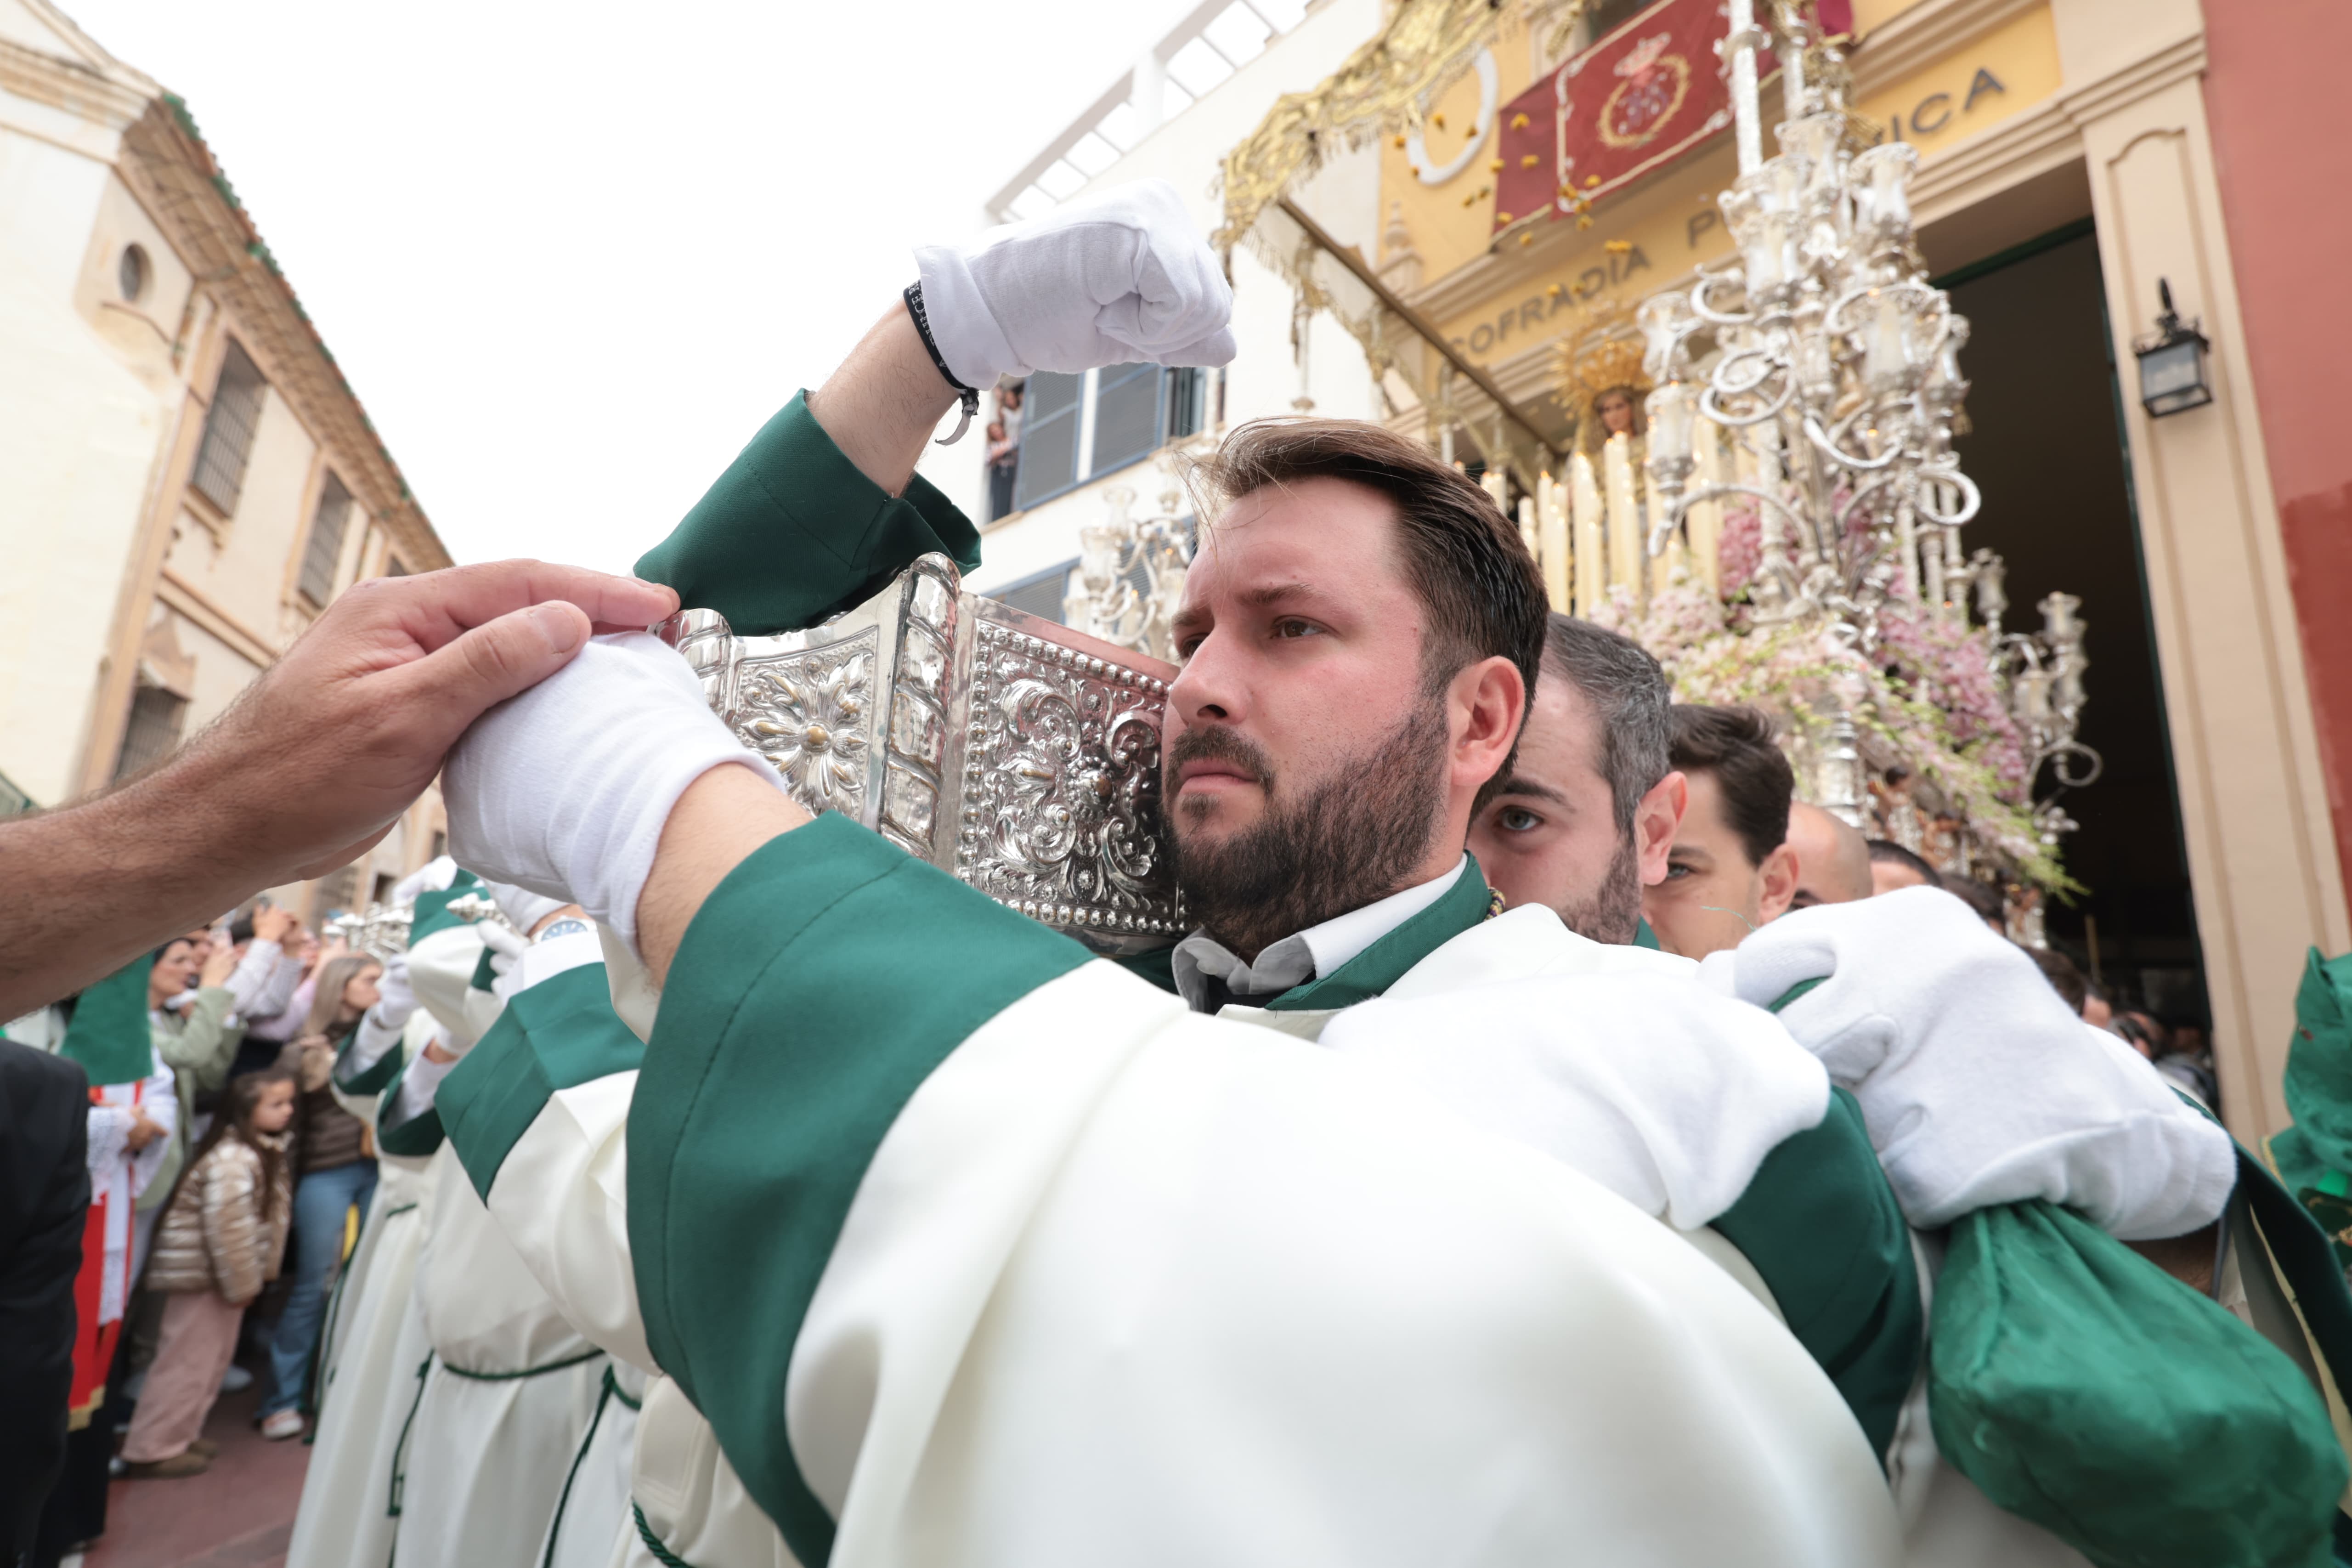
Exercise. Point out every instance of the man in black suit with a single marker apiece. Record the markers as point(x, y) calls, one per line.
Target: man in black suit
point(44, 1204)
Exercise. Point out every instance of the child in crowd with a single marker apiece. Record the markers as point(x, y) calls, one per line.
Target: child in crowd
point(220, 1241)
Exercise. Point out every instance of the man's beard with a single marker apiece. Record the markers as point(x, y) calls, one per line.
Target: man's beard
point(1613, 913)
point(1351, 838)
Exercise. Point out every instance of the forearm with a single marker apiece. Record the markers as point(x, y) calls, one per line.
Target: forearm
point(94, 885)
point(717, 823)
point(884, 402)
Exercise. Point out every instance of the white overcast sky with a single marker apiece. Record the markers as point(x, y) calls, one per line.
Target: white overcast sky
point(573, 256)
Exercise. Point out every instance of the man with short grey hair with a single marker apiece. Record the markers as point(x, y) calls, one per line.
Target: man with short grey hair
point(1588, 813)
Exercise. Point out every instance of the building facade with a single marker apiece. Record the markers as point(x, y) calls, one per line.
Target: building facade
point(186, 478)
point(2073, 156)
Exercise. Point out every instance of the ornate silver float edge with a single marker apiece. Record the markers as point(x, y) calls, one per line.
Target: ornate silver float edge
point(1013, 753)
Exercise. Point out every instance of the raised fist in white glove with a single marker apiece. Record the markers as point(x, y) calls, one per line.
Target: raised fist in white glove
point(395, 998)
point(1120, 278)
point(564, 789)
point(1978, 1084)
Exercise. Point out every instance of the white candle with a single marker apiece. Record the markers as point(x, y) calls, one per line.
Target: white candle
point(1705, 520)
point(1584, 492)
point(1551, 535)
point(1625, 541)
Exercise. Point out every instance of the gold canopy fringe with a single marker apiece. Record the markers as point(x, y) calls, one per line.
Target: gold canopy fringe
point(1423, 48)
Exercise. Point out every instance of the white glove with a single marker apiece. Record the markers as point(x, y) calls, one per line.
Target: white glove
point(1667, 1096)
point(521, 905)
point(562, 790)
point(395, 998)
point(505, 945)
point(435, 876)
point(1120, 278)
point(1978, 1084)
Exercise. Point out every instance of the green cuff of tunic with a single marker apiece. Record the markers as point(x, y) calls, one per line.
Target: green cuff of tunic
point(815, 990)
point(415, 1138)
point(557, 1035)
point(792, 533)
point(380, 1074)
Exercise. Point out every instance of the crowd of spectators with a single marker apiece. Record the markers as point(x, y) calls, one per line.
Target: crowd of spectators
point(239, 1172)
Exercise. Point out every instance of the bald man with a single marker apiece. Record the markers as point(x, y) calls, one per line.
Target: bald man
point(1832, 858)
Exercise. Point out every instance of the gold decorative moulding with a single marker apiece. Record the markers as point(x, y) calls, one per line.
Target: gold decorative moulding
point(1013, 753)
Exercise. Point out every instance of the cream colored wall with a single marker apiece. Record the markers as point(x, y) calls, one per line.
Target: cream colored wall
point(221, 672)
point(79, 434)
point(142, 332)
point(2252, 797)
point(241, 567)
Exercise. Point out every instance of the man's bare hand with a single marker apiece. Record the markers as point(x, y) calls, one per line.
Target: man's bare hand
point(356, 718)
point(272, 924)
point(144, 1130)
point(351, 724)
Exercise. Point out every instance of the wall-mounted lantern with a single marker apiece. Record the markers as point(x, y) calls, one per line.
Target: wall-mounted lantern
point(2172, 363)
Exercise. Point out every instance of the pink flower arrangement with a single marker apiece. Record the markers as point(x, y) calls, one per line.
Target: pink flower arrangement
point(1929, 699)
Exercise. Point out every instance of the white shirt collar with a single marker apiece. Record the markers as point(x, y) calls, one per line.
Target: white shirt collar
point(1309, 955)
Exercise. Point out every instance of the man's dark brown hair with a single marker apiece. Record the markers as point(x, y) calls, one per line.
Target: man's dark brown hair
point(1465, 559)
point(1738, 746)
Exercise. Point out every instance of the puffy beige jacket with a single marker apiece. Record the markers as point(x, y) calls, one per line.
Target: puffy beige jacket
point(213, 1238)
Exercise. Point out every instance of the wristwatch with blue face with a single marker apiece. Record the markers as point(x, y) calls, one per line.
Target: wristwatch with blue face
point(570, 925)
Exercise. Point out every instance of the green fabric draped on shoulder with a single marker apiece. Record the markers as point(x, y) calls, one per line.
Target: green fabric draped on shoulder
point(817, 989)
point(1821, 1224)
point(109, 1036)
point(792, 533)
point(2318, 1147)
point(557, 1035)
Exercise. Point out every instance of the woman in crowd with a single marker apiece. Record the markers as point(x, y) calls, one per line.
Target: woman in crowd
point(334, 1172)
point(221, 1240)
point(193, 1033)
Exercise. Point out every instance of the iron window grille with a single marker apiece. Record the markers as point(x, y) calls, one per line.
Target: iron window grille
point(325, 551)
point(229, 429)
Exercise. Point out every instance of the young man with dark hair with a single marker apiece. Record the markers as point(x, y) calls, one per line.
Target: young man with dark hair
point(1730, 869)
point(1583, 818)
point(1360, 633)
point(1892, 866)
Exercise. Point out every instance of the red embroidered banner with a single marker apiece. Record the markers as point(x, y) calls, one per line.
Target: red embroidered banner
point(1632, 103)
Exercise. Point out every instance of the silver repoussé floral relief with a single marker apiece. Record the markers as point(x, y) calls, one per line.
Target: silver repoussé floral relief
point(1061, 806)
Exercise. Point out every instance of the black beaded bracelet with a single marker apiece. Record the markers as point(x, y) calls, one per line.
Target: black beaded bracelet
point(968, 396)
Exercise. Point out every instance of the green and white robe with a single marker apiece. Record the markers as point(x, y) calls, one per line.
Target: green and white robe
point(375, 1334)
point(506, 1393)
point(1023, 1262)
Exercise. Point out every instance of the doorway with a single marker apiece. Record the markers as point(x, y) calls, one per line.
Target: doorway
point(2046, 448)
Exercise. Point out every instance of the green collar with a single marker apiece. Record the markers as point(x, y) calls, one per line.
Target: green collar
point(1382, 964)
point(1645, 937)
point(1375, 969)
